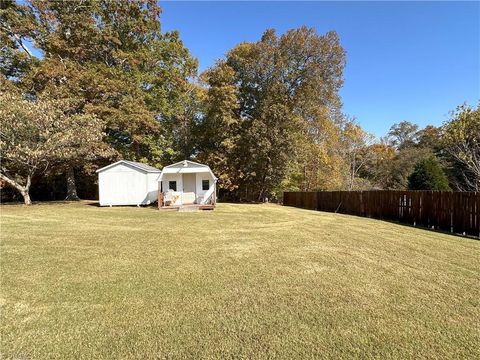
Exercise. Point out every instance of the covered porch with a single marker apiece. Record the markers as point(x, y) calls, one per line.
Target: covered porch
point(186, 185)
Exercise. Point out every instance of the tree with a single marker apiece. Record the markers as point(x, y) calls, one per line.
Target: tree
point(395, 172)
point(86, 148)
point(403, 135)
point(356, 146)
point(395, 157)
point(16, 26)
point(377, 167)
point(462, 144)
point(428, 175)
point(218, 132)
point(36, 134)
point(430, 137)
point(279, 90)
point(110, 59)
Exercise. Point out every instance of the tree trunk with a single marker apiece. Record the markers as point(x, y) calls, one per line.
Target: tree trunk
point(26, 198)
point(304, 177)
point(71, 186)
point(24, 190)
point(261, 195)
point(352, 177)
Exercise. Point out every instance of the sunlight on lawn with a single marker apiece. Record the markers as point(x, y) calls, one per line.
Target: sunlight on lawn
point(243, 281)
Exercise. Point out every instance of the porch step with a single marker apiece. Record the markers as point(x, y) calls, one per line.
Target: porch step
point(186, 208)
point(168, 208)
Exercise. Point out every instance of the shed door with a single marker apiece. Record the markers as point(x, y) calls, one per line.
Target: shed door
point(125, 188)
point(189, 183)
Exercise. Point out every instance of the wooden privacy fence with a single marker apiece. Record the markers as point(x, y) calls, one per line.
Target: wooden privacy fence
point(457, 212)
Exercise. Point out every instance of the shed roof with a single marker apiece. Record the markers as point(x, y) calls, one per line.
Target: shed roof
point(185, 164)
point(138, 165)
point(185, 167)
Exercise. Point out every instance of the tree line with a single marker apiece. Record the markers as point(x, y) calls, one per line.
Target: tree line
point(267, 117)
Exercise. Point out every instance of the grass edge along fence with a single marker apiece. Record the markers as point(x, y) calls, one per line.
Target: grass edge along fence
point(455, 212)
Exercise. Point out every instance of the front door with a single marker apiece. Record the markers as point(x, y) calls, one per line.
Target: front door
point(189, 188)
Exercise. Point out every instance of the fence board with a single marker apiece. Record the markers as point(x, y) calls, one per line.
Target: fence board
point(457, 212)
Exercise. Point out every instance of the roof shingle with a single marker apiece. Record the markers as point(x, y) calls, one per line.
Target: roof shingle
point(142, 166)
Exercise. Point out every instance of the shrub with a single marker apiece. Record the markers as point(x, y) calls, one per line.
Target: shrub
point(428, 175)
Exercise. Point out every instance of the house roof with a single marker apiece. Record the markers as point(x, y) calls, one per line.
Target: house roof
point(138, 165)
point(185, 164)
point(185, 167)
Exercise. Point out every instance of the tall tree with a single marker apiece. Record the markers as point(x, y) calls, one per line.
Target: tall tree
point(462, 144)
point(356, 145)
point(37, 134)
point(110, 59)
point(218, 133)
point(403, 135)
point(284, 86)
point(16, 28)
point(379, 164)
point(430, 137)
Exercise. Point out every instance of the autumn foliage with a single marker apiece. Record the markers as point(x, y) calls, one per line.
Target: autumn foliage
point(267, 117)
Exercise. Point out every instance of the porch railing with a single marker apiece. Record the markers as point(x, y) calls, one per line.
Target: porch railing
point(211, 199)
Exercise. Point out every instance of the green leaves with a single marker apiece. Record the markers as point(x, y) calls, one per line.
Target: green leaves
point(428, 175)
point(264, 103)
point(16, 26)
point(110, 59)
point(462, 145)
point(37, 135)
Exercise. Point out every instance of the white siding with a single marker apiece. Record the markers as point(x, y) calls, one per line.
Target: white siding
point(172, 177)
point(152, 187)
point(125, 185)
point(202, 195)
point(189, 176)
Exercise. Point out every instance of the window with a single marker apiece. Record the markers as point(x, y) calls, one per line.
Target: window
point(205, 184)
point(172, 185)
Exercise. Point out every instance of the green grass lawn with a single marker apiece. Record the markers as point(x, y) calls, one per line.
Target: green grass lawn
point(244, 281)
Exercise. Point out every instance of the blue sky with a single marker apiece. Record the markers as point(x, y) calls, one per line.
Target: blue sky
point(412, 61)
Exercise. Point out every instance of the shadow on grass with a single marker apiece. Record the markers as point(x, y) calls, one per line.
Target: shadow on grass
point(95, 203)
point(52, 203)
point(246, 202)
point(466, 236)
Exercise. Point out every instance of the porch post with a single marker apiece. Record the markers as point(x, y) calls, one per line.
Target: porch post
point(160, 193)
point(183, 188)
point(214, 192)
point(160, 199)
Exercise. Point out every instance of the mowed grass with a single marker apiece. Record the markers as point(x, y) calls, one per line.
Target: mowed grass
point(244, 281)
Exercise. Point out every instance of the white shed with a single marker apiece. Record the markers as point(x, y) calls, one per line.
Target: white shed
point(187, 183)
point(127, 183)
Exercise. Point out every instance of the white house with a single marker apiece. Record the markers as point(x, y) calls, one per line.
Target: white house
point(127, 183)
point(185, 183)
